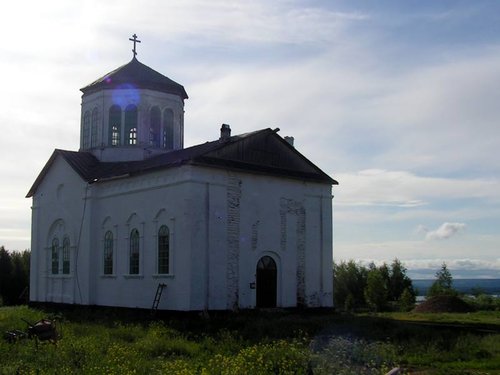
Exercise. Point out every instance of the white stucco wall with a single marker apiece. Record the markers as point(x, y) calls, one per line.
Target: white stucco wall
point(221, 223)
point(56, 212)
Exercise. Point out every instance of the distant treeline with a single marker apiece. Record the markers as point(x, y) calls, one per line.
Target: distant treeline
point(14, 276)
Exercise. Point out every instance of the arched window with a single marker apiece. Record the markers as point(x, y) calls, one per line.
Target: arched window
point(55, 256)
point(168, 129)
point(65, 256)
point(163, 250)
point(108, 253)
point(134, 252)
point(115, 125)
point(86, 131)
point(154, 127)
point(131, 124)
point(95, 118)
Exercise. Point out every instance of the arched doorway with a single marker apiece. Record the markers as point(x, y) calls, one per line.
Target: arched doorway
point(267, 282)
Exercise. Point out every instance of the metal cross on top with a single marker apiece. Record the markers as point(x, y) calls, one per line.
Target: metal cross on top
point(135, 40)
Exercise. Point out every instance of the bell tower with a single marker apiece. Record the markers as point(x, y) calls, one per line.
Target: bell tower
point(132, 113)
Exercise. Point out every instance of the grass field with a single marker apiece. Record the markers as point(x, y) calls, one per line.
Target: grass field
point(286, 342)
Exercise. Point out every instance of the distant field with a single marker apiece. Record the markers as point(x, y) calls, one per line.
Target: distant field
point(272, 342)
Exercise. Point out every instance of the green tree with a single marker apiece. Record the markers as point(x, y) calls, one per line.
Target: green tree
point(406, 301)
point(443, 285)
point(14, 275)
point(349, 281)
point(20, 275)
point(399, 282)
point(376, 290)
point(5, 275)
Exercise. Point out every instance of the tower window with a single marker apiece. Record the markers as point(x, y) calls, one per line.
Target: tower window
point(131, 124)
point(115, 125)
point(154, 127)
point(86, 131)
point(168, 129)
point(93, 138)
point(132, 136)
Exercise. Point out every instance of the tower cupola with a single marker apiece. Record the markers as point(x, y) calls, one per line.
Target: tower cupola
point(132, 113)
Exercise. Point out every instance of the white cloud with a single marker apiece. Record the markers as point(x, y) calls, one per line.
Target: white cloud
point(377, 187)
point(445, 231)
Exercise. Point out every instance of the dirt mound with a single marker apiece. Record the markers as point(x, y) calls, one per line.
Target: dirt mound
point(441, 304)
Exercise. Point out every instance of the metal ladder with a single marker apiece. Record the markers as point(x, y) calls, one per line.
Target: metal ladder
point(156, 301)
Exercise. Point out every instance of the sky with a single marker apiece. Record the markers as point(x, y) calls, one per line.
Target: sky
point(399, 101)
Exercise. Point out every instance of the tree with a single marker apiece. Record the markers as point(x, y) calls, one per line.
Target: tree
point(349, 280)
point(376, 290)
point(14, 275)
point(406, 301)
point(5, 275)
point(20, 274)
point(399, 282)
point(443, 285)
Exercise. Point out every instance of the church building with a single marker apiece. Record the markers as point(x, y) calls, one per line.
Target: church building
point(134, 219)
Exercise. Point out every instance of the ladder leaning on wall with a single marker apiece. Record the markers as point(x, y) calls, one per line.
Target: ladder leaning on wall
point(156, 301)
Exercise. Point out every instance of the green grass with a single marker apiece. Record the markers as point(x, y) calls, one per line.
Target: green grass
point(120, 342)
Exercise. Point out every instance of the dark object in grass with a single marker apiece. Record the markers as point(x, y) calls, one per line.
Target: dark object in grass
point(43, 330)
point(444, 304)
point(14, 336)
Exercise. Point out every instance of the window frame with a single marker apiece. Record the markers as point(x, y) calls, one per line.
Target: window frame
point(163, 251)
point(66, 256)
point(115, 125)
point(108, 254)
point(54, 258)
point(134, 252)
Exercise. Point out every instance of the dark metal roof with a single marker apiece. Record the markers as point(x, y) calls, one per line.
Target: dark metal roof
point(137, 75)
point(261, 151)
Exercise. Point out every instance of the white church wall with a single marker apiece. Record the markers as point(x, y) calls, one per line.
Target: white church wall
point(269, 218)
point(221, 223)
point(57, 210)
point(144, 202)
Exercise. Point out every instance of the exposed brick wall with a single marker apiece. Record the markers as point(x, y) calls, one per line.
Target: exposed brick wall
point(233, 240)
point(255, 235)
point(295, 208)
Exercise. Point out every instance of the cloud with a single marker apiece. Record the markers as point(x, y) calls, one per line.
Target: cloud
point(379, 187)
point(445, 231)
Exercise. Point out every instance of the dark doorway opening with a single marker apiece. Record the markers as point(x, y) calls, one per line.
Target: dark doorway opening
point(267, 282)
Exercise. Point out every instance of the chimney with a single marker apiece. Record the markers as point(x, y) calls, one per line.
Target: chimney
point(289, 140)
point(225, 133)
